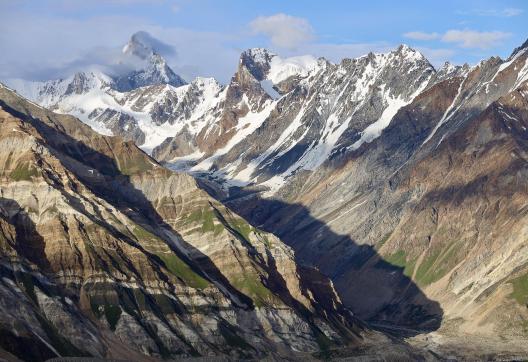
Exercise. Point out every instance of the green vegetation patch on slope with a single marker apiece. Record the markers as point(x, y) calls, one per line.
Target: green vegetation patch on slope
point(383, 241)
point(520, 289)
point(251, 285)
point(242, 226)
point(244, 229)
point(29, 286)
point(149, 241)
point(208, 222)
point(400, 259)
point(208, 219)
point(205, 217)
point(183, 271)
point(24, 172)
point(438, 263)
point(143, 234)
point(133, 165)
point(266, 241)
point(111, 312)
point(170, 260)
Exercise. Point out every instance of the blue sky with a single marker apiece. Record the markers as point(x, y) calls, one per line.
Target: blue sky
point(52, 38)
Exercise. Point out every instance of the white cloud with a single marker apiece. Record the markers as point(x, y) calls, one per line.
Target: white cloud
point(475, 39)
point(463, 38)
point(284, 31)
point(420, 35)
point(38, 48)
point(501, 13)
point(178, 5)
point(512, 12)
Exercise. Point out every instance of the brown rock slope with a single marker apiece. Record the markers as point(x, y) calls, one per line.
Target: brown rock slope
point(464, 240)
point(105, 253)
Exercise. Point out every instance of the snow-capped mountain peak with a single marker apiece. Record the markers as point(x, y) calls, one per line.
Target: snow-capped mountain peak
point(153, 104)
point(260, 56)
point(154, 69)
point(134, 104)
point(82, 82)
point(409, 53)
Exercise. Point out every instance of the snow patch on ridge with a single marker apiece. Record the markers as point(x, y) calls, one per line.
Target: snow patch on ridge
point(375, 129)
point(246, 174)
point(184, 163)
point(282, 69)
point(246, 126)
point(47, 94)
point(522, 75)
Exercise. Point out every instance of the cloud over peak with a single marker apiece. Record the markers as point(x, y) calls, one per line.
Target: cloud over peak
point(474, 39)
point(500, 13)
point(142, 44)
point(284, 31)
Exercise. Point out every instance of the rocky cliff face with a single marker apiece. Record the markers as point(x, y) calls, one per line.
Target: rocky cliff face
point(105, 253)
point(329, 109)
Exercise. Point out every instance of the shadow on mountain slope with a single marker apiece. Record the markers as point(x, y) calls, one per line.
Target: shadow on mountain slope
point(375, 289)
point(29, 246)
point(29, 243)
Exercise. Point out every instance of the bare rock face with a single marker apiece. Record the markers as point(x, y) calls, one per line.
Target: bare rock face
point(121, 124)
point(156, 72)
point(255, 138)
point(105, 253)
point(470, 249)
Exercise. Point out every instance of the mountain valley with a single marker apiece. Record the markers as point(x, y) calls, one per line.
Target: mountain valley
point(373, 208)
